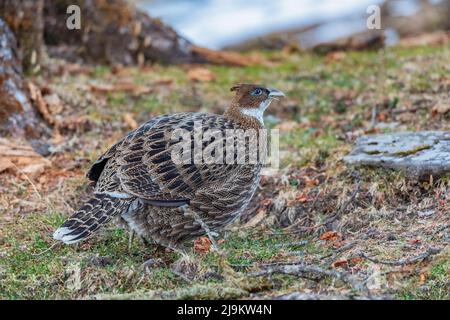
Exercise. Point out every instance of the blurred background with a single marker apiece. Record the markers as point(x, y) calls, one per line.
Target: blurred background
point(235, 23)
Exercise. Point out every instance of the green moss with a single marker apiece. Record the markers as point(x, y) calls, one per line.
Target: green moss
point(415, 150)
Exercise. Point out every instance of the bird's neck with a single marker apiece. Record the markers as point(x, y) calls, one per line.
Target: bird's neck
point(249, 118)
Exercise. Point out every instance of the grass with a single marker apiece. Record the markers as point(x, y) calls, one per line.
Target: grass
point(329, 104)
point(436, 286)
point(105, 265)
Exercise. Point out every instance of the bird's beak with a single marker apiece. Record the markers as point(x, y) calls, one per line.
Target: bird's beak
point(274, 93)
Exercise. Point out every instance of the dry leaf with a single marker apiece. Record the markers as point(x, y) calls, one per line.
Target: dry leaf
point(342, 263)
point(256, 219)
point(440, 108)
point(202, 245)
point(422, 278)
point(41, 104)
point(20, 156)
point(330, 235)
point(200, 74)
point(302, 198)
point(129, 120)
point(356, 260)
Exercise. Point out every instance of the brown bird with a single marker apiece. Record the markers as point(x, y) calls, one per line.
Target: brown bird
point(169, 201)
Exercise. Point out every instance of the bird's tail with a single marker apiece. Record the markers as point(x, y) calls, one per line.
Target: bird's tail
point(92, 215)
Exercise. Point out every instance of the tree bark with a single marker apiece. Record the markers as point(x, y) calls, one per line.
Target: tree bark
point(18, 117)
point(24, 17)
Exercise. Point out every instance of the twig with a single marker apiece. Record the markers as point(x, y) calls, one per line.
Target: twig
point(29, 180)
point(264, 265)
point(333, 255)
point(337, 214)
point(292, 244)
point(313, 205)
point(402, 262)
point(302, 270)
point(318, 296)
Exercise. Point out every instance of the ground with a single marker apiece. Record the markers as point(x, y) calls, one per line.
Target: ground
point(317, 227)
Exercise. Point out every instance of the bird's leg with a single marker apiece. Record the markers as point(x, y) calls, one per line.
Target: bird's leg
point(209, 233)
point(145, 241)
point(130, 240)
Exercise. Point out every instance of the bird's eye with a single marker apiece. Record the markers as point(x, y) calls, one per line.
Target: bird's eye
point(257, 92)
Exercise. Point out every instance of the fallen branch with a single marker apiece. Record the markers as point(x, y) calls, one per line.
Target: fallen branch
point(315, 296)
point(402, 262)
point(338, 251)
point(303, 270)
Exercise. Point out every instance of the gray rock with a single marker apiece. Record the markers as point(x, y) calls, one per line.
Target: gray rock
point(418, 154)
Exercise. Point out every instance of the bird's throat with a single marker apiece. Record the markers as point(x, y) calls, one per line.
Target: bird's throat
point(248, 117)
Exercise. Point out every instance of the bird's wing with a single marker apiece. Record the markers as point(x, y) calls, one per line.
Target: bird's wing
point(145, 167)
point(97, 168)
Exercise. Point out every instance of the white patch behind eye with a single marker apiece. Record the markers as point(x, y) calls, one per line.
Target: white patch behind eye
point(257, 112)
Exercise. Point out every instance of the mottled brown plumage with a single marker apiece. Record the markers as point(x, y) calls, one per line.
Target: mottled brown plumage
point(138, 181)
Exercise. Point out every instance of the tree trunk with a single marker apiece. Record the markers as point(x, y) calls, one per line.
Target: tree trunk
point(18, 117)
point(25, 19)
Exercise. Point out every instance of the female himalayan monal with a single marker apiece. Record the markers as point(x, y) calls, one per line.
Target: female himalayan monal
point(165, 201)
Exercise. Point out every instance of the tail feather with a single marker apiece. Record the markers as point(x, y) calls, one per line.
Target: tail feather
point(92, 215)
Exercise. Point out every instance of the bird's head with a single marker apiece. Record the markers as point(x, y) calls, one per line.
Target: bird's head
point(250, 102)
